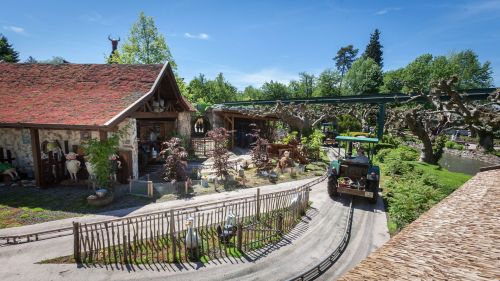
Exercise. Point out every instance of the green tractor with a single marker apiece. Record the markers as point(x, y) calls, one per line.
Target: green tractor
point(354, 175)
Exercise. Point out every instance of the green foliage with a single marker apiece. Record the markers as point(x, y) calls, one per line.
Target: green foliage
point(98, 153)
point(374, 48)
point(426, 69)
point(402, 153)
point(412, 187)
point(396, 141)
point(275, 90)
point(358, 134)
point(289, 137)
point(7, 52)
point(55, 60)
point(393, 81)
point(313, 143)
point(328, 83)
point(303, 88)
point(453, 145)
point(347, 123)
point(144, 45)
point(207, 92)
point(364, 77)
point(251, 93)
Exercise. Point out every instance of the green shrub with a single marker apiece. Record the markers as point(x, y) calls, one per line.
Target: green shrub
point(381, 145)
point(410, 197)
point(453, 145)
point(359, 134)
point(403, 153)
point(291, 136)
point(348, 123)
point(389, 139)
point(394, 167)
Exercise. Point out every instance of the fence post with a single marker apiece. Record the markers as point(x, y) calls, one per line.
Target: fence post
point(172, 236)
point(76, 242)
point(239, 236)
point(280, 224)
point(257, 204)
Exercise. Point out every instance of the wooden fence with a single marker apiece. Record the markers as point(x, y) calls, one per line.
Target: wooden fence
point(202, 147)
point(200, 232)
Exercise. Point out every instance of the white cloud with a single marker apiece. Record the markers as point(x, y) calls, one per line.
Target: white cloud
point(257, 78)
point(200, 36)
point(97, 18)
point(15, 29)
point(386, 10)
point(480, 7)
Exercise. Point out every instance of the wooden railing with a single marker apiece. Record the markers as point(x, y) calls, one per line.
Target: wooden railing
point(167, 236)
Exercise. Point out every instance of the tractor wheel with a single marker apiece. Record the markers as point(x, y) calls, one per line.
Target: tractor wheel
point(375, 193)
point(332, 186)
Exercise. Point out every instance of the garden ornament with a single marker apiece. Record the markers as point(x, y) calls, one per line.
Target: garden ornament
point(8, 169)
point(72, 165)
point(192, 239)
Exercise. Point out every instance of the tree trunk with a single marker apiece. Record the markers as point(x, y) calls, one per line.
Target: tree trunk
point(417, 128)
point(485, 140)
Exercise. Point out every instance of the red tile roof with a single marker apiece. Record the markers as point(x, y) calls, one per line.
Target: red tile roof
point(71, 94)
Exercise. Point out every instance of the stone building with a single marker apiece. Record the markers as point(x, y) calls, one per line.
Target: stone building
point(54, 108)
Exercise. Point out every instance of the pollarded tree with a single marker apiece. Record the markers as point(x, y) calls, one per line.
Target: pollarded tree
point(374, 48)
point(365, 76)
point(144, 45)
point(7, 52)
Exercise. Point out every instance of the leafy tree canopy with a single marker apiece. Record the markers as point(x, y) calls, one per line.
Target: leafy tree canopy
point(393, 81)
point(203, 91)
point(426, 69)
point(275, 90)
point(365, 76)
point(328, 84)
point(7, 52)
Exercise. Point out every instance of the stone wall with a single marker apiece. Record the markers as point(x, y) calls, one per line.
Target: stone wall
point(18, 141)
point(184, 124)
point(129, 143)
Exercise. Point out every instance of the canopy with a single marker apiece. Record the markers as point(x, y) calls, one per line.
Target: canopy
point(356, 139)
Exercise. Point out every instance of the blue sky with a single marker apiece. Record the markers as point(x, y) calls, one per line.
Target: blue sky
point(256, 41)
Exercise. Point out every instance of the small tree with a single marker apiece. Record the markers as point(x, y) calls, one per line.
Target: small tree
point(260, 154)
point(220, 136)
point(98, 153)
point(175, 160)
point(144, 45)
point(374, 48)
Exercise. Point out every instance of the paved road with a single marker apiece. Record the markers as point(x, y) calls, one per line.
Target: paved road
point(309, 243)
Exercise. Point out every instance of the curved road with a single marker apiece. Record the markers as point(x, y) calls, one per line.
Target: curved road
point(312, 240)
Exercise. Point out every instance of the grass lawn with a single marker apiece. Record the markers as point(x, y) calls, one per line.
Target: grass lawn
point(449, 180)
point(410, 187)
point(27, 205)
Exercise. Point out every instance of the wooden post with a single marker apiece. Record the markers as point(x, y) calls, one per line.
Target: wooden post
point(172, 236)
point(37, 156)
point(232, 132)
point(257, 204)
point(76, 242)
point(239, 236)
point(103, 135)
point(280, 224)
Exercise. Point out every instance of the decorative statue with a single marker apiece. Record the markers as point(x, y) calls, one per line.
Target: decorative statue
point(8, 169)
point(229, 230)
point(192, 239)
point(72, 165)
point(115, 165)
point(285, 162)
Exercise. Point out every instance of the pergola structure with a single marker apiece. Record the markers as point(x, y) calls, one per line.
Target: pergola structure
point(379, 99)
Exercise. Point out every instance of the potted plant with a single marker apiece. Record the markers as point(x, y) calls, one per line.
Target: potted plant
point(101, 154)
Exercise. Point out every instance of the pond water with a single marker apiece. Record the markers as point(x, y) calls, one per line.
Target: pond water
point(460, 164)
